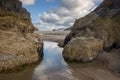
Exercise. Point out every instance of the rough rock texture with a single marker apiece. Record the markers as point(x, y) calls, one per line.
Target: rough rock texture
point(14, 17)
point(83, 49)
point(13, 7)
point(36, 29)
point(103, 23)
point(100, 25)
point(18, 44)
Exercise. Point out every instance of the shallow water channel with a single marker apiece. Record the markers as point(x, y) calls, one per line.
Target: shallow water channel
point(52, 67)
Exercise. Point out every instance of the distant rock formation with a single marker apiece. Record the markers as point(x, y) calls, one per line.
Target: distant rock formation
point(19, 45)
point(101, 24)
point(68, 29)
point(36, 29)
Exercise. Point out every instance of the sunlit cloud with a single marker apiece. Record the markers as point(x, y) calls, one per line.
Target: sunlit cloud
point(28, 2)
point(65, 15)
point(49, 0)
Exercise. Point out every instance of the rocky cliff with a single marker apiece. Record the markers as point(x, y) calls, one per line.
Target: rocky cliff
point(19, 45)
point(103, 26)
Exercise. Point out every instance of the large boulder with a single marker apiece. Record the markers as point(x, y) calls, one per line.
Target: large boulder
point(83, 49)
point(19, 45)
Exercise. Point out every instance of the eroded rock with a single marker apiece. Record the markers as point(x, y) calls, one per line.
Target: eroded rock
point(18, 44)
point(103, 23)
point(83, 49)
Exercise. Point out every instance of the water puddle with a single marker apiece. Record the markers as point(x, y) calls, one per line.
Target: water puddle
point(53, 66)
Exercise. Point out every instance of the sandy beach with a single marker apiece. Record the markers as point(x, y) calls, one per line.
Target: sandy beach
point(54, 36)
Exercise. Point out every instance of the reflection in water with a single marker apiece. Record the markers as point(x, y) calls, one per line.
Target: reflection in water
point(53, 66)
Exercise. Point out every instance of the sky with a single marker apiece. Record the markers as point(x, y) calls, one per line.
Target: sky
point(56, 14)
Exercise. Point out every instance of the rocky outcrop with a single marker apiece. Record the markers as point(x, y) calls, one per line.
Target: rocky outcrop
point(13, 7)
point(68, 29)
point(36, 29)
point(18, 44)
point(13, 16)
point(103, 24)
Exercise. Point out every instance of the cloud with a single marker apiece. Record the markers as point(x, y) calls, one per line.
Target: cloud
point(28, 2)
point(65, 15)
point(49, 0)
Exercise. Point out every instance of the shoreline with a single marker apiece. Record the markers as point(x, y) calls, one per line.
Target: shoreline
point(54, 36)
point(82, 71)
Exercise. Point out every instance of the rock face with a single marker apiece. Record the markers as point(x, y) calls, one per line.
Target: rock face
point(13, 7)
point(103, 24)
point(18, 44)
point(13, 16)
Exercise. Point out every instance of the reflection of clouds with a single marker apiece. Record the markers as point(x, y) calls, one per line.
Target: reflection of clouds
point(53, 56)
point(53, 64)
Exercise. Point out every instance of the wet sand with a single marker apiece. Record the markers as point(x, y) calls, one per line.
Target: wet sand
point(80, 71)
point(91, 71)
point(25, 74)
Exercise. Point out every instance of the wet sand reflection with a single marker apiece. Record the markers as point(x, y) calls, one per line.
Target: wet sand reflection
point(53, 66)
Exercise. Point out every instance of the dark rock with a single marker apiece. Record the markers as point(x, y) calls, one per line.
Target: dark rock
point(36, 29)
point(107, 49)
point(108, 8)
point(68, 29)
point(14, 7)
point(67, 39)
point(116, 46)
